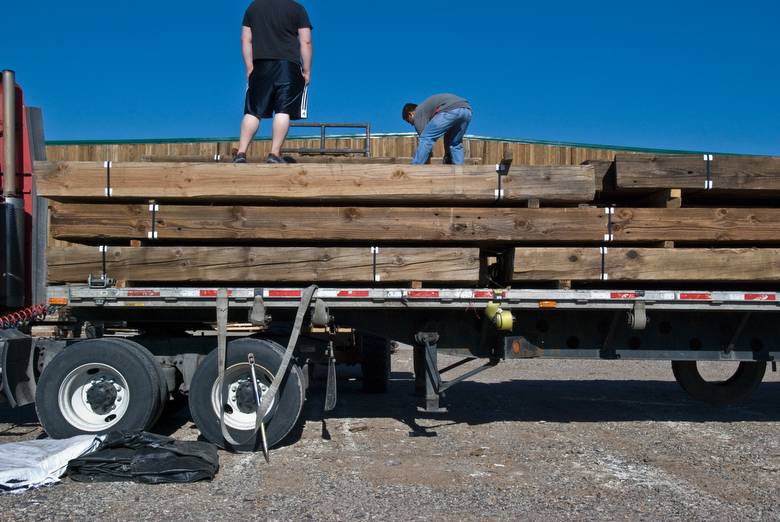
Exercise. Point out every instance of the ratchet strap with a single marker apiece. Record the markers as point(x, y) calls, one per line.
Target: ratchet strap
point(268, 397)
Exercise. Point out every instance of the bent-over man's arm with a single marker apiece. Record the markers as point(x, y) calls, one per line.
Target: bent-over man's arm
point(246, 49)
point(304, 37)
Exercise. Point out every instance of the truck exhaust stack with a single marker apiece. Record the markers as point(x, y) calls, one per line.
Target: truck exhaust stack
point(12, 271)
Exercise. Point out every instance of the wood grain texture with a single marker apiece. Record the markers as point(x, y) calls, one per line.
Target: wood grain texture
point(553, 264)
point(313, 184)
point(279, 265)
point(648, 264)
point(550, 184)
point(697, 224)
point(693, 264)
point(93, 222)
point(748, 173)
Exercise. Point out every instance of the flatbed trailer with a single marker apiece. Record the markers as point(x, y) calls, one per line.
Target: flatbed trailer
point(120, 354)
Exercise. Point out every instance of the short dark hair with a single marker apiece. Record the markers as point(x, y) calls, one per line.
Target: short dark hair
point(408, 109)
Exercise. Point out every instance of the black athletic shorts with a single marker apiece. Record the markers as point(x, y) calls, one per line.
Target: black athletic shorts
point(276, 86)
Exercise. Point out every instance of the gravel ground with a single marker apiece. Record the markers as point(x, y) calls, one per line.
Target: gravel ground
point(545, 440)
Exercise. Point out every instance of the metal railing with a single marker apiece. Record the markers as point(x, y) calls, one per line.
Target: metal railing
point(322, 149)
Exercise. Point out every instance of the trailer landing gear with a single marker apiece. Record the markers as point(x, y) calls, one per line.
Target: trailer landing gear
point(428, 376)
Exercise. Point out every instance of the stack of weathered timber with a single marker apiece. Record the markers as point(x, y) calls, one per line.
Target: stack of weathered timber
point(639, 218)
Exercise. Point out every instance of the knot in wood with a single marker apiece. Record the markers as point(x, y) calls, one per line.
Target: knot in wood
point(351, 213)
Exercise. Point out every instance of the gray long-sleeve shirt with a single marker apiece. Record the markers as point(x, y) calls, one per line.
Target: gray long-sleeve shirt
point(437, 103)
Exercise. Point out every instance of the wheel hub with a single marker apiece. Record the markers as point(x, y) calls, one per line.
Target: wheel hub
point(240, 406)
point(245, 396)
point(102, 396)
point(94, 397)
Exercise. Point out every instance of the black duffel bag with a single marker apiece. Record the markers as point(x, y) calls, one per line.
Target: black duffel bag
point(146, 458)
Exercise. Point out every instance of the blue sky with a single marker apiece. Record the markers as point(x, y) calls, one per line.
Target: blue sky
point(689, 74)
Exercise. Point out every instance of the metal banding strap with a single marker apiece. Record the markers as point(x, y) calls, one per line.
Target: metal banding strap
point(153, 208)
point(217, 156)
point(708, 183)
point(610, 235)
point(374, 254)
point(502, 169)
point(604, 274)
point(109, 191)
point(103, 253)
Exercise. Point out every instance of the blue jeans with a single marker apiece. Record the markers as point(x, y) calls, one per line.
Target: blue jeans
point(450, 124)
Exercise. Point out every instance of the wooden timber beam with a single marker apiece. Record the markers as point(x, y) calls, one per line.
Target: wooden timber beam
point(93, 222)
point(697, 225)
point(278, 265)
point(647, 264)
point(314, 184)
point(730, 173)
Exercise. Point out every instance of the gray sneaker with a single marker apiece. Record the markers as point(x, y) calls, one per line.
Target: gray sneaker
point(272, 158)
point(240, 158)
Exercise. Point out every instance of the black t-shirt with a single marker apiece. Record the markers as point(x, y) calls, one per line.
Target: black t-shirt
point(275, 25)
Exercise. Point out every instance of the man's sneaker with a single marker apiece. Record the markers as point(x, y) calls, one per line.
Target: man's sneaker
point(239, 158)
point(273, 158)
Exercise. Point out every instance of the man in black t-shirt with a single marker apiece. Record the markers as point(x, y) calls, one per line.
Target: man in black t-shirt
point(276, 44)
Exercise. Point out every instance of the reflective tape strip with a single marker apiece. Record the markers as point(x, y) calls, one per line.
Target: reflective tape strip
point(761, 297)
point(282, 293)
point(624, 295)
point(143, 293)
point(423, 294)
point(353, 293)
point(696, 296)
point(212, 293)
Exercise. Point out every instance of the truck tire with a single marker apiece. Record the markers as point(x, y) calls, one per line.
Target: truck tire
point(375, 363)
point(151, 363)
point(94, 387)
point(734, 390)
point(205, 394)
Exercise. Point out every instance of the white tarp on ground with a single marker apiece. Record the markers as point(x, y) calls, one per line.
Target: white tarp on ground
point(36, 463)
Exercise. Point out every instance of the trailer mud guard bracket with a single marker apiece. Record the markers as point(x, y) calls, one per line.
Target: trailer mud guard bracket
point(17, 367)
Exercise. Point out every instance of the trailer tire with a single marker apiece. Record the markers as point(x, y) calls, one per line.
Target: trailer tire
point(375, 363)
point(205, 391)
point(734, 390)
point(94, 387)
point(152, 365)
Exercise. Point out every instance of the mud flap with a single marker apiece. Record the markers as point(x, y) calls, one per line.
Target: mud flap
point(17, 367)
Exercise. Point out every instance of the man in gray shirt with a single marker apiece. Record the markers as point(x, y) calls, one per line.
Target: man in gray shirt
point(440, 115)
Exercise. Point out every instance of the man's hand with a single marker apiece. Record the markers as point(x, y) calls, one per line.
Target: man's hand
point(249, 72)
point(306, 76)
